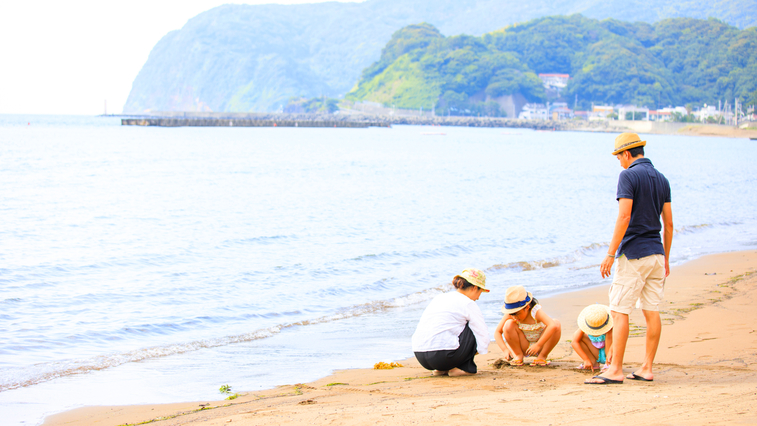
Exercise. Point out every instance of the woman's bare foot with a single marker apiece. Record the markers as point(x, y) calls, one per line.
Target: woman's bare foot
point(439, 373)
point(456, 372)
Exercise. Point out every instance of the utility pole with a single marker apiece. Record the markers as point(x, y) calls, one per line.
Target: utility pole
point(720, 113)
point(736, 112)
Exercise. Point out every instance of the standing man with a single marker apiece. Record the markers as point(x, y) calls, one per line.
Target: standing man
point(642, 256)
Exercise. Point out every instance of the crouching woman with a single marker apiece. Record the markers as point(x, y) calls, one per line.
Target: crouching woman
point(452, 329)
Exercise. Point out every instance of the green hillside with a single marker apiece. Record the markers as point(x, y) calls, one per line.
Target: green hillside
point(671, 62)
point(240, 57)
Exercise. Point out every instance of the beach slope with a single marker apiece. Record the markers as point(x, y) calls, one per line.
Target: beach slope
point(706, 373)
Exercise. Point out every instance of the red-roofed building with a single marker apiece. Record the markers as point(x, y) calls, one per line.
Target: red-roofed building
point(555, 80)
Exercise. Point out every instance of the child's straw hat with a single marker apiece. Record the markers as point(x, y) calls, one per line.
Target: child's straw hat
point(627, 141)
point(516, 298)
point(595, 320)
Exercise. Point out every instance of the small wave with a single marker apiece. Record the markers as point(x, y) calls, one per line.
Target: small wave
point(532, 265)
point(262, 239)
point(55, 370)
point(691, 228)
point(50, 371)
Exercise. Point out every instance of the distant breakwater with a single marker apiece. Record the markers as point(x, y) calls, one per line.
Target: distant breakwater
point(236, 122)
point(217, 119)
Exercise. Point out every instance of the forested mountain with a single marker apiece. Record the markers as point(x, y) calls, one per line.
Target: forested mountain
point(255, 57)
point(671, 62)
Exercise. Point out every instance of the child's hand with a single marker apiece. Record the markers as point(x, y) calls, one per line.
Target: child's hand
point(533, 350)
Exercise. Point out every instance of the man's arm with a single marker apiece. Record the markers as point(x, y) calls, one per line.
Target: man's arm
point(667, 236)
point(621, 225)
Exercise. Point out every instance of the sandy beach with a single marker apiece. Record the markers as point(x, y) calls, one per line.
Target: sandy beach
point(718, 131)
point(705, 374)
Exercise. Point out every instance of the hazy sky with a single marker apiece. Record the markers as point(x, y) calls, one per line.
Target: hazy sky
point(70, 57)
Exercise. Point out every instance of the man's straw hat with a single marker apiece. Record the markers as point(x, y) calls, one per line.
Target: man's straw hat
point(595, 320)
point(516, 298)
point(627, 141)
point(475, 277)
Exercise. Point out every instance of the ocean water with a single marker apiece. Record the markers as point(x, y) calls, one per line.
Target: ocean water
point(144, 265)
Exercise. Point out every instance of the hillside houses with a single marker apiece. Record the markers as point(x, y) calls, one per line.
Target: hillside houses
point(561, 111)
point(555, 84)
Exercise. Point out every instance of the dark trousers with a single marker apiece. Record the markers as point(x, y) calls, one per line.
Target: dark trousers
point(461, 357)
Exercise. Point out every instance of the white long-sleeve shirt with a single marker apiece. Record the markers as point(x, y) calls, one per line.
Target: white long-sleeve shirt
point(443, 321)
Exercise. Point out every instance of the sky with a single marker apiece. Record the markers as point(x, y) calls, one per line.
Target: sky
point(80, 57)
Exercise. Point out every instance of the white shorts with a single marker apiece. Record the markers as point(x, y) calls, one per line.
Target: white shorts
point(638, 279)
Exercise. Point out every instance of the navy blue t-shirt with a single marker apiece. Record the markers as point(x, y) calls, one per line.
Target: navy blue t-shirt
point(649, 190)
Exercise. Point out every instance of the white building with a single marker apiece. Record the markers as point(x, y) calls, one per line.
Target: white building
point(533, 112)
point(707, 112)
point(554, 81)
point(660, 115)
point(601, 112)
point(554, 84)
point(638, 112)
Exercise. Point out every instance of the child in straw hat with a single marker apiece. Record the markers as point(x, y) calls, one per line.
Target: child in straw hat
point(593, 339)
point(526, 330)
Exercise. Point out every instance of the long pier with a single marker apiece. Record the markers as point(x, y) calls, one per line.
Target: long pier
point(245, 122)
point(349, 120)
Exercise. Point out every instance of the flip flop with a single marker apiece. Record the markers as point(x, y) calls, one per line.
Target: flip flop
point(605, 381)
point(540, 363)
point(635, 376)
point(516, 362)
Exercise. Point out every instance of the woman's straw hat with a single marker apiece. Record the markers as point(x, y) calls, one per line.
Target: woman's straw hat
point(627, 141)
point(516, 298)
point(595, 320)
point(475, 277)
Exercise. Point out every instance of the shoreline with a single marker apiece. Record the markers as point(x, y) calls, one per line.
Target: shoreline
point(706, 371)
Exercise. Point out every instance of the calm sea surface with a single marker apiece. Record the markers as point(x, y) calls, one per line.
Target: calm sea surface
point(142, 265)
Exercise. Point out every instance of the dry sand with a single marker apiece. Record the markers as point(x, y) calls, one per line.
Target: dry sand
point(705, 374)
point(717, 131)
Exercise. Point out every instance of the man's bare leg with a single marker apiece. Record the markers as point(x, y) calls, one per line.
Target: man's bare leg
point(619, 340)
point(654, 329)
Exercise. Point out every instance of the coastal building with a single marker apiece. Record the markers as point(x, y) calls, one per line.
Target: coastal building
point(533, 112)
point(554, 84)
point(660, 115)
point(560, 111)
point(600, 112)
point(631, 112)
point(554, 81)
point(707, 112)
point(583, 115)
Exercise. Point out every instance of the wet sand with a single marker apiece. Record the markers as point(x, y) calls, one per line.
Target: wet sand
point(706, 373)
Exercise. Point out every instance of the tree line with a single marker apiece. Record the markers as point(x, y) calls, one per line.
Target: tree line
point(671, 62)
